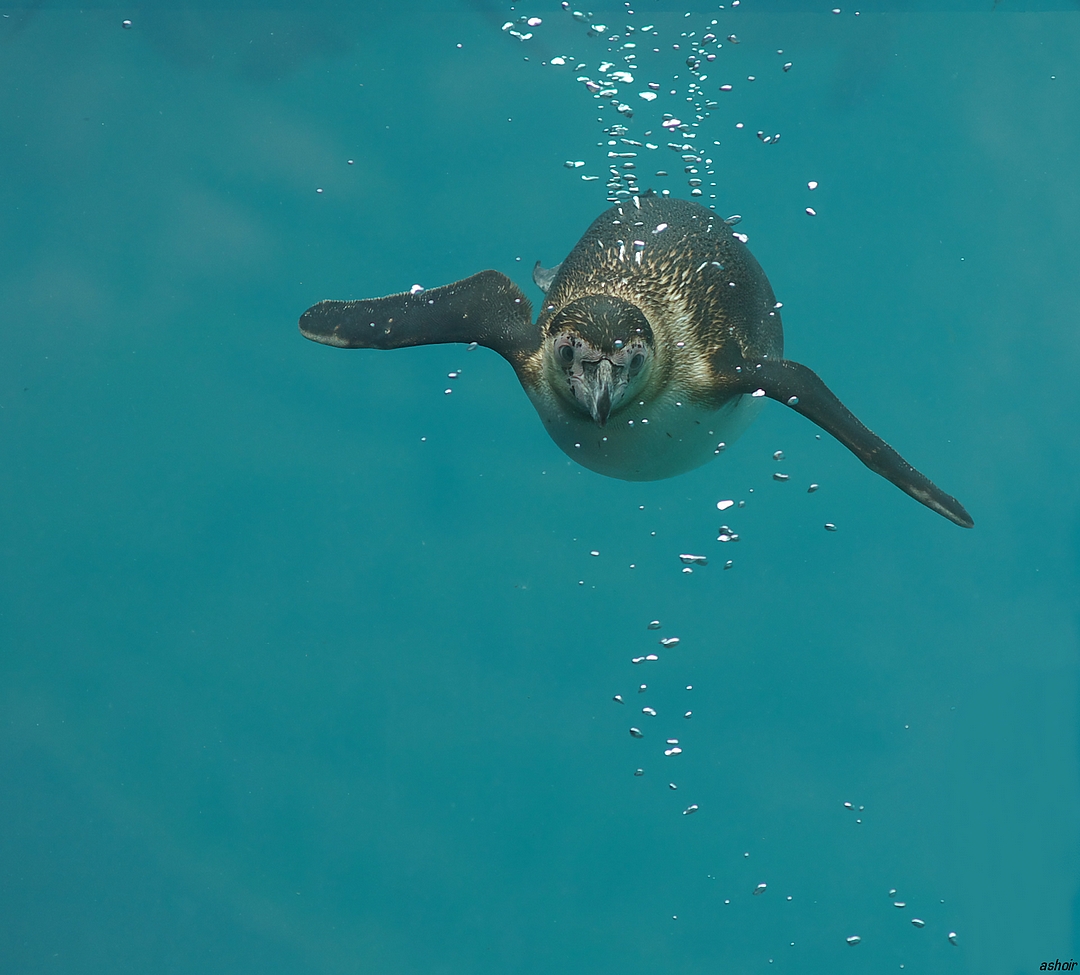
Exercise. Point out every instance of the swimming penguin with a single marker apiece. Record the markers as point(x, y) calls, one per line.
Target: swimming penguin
point(658, 341)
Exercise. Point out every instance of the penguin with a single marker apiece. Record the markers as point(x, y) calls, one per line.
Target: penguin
point(658, 341)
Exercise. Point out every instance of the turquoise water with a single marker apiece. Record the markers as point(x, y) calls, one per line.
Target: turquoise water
point(306, 664)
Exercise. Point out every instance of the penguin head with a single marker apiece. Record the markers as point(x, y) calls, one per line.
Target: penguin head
point(600, 351)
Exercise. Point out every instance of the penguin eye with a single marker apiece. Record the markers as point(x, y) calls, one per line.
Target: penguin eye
point(566, 353)
point(637, 361)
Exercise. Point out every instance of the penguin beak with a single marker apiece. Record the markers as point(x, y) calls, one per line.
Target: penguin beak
point(598, 386)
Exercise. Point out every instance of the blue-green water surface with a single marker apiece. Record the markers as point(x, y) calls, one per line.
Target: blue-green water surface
point(305, 664)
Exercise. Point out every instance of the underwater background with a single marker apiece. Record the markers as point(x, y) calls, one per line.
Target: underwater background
point(305, 664)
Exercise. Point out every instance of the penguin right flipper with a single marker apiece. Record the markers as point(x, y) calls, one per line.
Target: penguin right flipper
point(487, 308)
point(801, 388)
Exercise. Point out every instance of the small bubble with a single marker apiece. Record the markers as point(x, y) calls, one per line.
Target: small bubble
point(778, 455)
point(639, 771)
point(690, 809)
point(672, 786)
point(812, 185)
point(669, 641)
point(126, 24)
point(724, 505)
point(636, 733)
point(618, 699)
point(787, 67)
point(812, 488)
point(760, 889)
point(918, 922)
point(673, 751)
point(688, 714)
point(793, 401)
point(830, 527)
point(653, 625)
point(952, 937)
point(777, 476)
point(899, 904)
point(853, 939)
point(811, 212)
point(594, 553)
point(318, 189)
point(642, 688)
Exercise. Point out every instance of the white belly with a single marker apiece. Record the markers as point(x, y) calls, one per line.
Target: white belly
point(647, 443)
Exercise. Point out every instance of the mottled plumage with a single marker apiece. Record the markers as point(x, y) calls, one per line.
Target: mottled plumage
point(658, 340)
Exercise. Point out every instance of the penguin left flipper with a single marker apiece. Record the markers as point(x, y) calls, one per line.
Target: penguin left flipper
point(487, 308)
point(801, 388)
